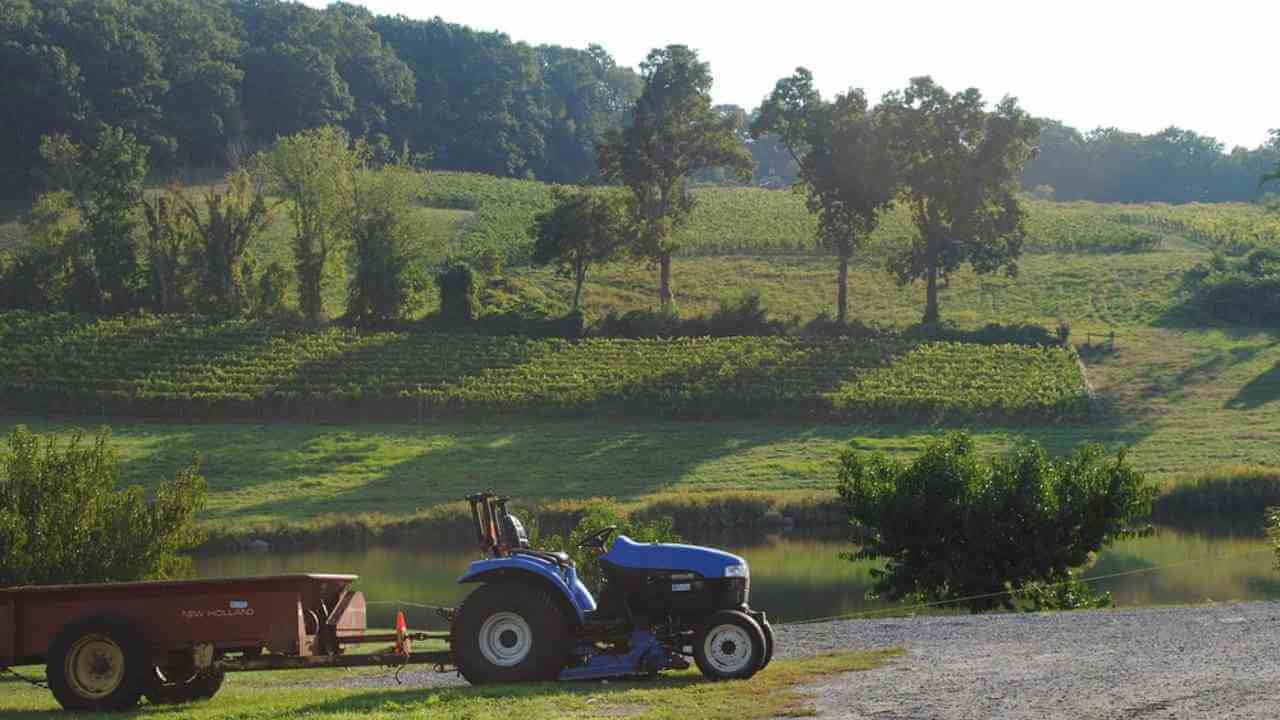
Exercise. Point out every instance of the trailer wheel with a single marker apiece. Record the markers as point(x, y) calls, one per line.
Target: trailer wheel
point(510, 632)
point(729, 646)
point(97, 664)
point(170, 686)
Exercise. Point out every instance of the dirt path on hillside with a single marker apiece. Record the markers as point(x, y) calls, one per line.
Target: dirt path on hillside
point(1219, 661)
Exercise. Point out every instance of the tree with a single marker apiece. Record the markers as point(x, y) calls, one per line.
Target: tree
point(674, 133)
point(954, 527)
point(842, 153)
point(386, 275)
point(105, 179)
point(40, 272)
point(314, 171)
point(170, 239)
point(64, 520)
point(583, 229)
point(228, 225)
point(959, 166)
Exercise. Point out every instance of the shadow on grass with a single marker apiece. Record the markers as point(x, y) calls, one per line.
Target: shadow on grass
point(1259, 391)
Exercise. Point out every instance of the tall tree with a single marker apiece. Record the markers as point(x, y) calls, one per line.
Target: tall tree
point(584, 228)
point(314, 171)
point(674, 133)
point(959, 166)
point(844, 161)
point(229, 222)
point(170, 238)
point(386, 278)
point(106, 179)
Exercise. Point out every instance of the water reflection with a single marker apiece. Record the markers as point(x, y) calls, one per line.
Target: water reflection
point(797, 577)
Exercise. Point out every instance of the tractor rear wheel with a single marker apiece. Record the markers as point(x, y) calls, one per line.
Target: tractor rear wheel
point(97, 664)
point(729, 646)
point(510, 631)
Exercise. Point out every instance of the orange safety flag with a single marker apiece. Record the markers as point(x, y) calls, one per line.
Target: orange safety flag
point(402, 635)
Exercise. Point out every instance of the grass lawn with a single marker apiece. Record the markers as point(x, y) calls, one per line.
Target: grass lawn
point(1090, 291)
point(771, 693)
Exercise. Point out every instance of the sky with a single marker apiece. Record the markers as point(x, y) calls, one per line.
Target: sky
point(1131, 64)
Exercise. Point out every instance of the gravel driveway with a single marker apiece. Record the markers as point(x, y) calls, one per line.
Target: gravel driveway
point(1218, 661)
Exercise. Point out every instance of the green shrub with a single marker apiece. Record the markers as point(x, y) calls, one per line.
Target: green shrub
point(954, 527)
point(63, 519)
point(1069, 593)
point(1235, 490)
point(459, 293)
point(597, 516)
point(273, 289)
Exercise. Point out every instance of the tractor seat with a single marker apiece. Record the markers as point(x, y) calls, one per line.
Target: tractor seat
point(514, 532)
point(557, 556)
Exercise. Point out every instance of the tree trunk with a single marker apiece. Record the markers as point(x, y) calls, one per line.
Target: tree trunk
point(842, 291)
point(665, 297)
point(309, 294)
point(931, 294)
point(580, 275)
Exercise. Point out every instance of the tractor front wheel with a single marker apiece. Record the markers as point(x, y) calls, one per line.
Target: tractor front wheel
point(510, 631)
point(729, 646)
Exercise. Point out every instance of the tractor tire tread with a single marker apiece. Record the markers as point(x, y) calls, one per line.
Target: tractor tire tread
point(533, 602)
point(759, 644)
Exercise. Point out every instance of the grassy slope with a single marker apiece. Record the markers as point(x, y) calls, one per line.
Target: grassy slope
point(248, 696)
point(1183, 397)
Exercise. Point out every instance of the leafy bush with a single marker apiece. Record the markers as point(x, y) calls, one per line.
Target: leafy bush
point(1068, 593)
point(596, 517)
point(459, 293)
point(743, 315)
point(63, 520)
point(273, 289)
point(1241, 491)
point(954, 527)
point(740, 316)
point(1243, 289)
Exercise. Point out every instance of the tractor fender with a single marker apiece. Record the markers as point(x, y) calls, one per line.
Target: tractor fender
point(570, 593)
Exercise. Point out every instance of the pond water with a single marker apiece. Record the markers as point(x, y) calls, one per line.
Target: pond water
point(800, 577)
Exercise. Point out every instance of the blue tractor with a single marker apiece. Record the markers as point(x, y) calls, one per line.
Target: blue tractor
point(532, 618)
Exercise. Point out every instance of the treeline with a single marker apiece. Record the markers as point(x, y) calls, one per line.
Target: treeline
point(1173, 166)
point(210, 82)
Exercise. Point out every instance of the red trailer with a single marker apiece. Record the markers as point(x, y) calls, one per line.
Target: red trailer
point(104, 646)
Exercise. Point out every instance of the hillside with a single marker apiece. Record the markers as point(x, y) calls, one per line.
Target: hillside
point(1186, 395)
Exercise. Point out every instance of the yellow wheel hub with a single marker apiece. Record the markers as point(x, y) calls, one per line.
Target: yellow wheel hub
point(95, 666)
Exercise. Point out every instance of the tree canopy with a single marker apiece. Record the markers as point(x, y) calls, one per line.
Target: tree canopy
point(674, 134)
point(846, 168)
point(208, 82)
point(959, 165)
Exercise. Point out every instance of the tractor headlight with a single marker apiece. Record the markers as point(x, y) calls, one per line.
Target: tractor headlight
point(736, 571)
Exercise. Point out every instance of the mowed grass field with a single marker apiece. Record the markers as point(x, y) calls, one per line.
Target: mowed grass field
point(321, 694)
point(1182, 394)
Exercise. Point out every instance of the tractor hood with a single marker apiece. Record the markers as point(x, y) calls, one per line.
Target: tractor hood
point(707, 562)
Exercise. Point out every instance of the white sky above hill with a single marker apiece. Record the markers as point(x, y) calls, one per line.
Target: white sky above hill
point(1134, 64)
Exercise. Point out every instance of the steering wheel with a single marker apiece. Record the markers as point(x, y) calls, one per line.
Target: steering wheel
point(598, 538)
